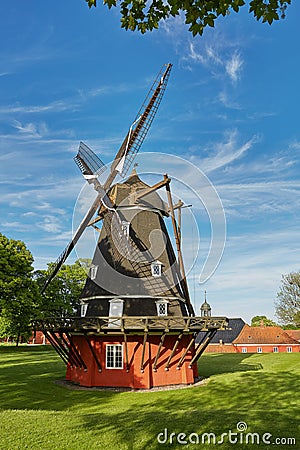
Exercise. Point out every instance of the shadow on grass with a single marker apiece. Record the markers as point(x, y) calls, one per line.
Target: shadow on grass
point(218, 363)
point(27, 380)
point(266, 401)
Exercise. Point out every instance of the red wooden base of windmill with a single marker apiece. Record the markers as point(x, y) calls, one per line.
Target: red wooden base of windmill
point(145, 364)
point(161, 353)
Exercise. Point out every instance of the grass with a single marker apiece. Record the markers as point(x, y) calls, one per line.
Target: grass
point(37, 414)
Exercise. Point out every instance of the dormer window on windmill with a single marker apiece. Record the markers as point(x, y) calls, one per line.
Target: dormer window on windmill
point(156, 269)
point(125, 228)
point(162, 307)
point(93, 272)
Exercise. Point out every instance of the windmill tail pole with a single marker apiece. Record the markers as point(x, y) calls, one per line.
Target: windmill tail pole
point(178, 245)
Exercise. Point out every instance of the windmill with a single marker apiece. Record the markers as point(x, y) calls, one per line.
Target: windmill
point(136, 327)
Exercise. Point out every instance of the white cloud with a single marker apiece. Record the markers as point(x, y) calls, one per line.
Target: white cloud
point(217, 57)
point(33, 130)
point(50, 224)
point(234, 66)
point(224, 153)
point(55, 106)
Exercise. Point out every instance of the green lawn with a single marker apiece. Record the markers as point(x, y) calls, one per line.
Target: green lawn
point(37, 414)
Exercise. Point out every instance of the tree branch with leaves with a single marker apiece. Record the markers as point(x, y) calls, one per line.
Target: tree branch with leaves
point(144, 15)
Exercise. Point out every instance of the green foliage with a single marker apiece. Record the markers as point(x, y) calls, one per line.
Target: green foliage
point(287, 305)
point(18, 292)
point(37, 413)
point(62, 295)
point(258, 321)
point(145, 15)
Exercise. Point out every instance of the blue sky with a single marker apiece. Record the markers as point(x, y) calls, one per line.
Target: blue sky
point(231, 109)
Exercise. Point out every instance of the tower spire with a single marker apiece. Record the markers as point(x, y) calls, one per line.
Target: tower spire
point(205, 307)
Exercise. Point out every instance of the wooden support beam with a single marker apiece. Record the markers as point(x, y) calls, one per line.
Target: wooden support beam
point(78, 356)
point(93, 353)
point(72, 357)
point(185, 353)
point(92, 222)
point(57, 347)
point(177, 205)
point(150, 189)
point(202, 347)
point(173, 351)
point(126, 353)
point(158, 351)
point(143, 351)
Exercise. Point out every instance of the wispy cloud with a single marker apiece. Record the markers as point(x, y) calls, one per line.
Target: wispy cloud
point(234, 66)
point(217, 59)
point(30, 129)
point(55, 106)
point(224, 153)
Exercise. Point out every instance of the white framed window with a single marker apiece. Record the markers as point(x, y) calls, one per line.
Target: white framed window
point(259, 350)
point(244, 349)
point(162, 307)
point(114, 356)
point(93, 272)
point(83, 309)
point(125, 228)
point(156, 268)
point(275, 349)
point(289, 349)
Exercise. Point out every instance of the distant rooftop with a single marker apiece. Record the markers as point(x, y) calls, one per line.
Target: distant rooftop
point(235, 326)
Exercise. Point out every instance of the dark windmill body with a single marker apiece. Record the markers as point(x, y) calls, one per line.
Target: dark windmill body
point(136, 326)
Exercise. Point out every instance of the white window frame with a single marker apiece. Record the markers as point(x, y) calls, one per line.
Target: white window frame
point(244, 350)
point(114, 356)
point(93, 272)
point(159, 304)
point(156, 266)
point(289, 349)
point(275, 349)
point(83, 309)
point(259, 350)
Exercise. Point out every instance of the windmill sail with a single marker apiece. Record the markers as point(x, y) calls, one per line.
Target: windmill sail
point(140, 126)
point(88, 162)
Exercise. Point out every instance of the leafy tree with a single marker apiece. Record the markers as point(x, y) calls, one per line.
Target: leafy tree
point(258, 321)
point(18, 292)
point(287, 304)
point(62, 294)
point(145, 15)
